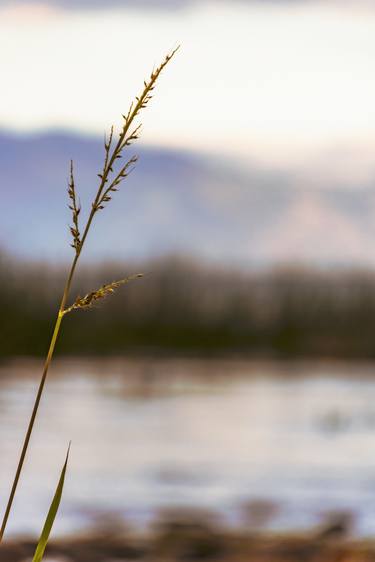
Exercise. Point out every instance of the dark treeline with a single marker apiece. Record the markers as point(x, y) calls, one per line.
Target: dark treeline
point(182, 306)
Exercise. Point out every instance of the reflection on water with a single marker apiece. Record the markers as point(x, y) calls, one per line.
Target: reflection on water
point(281, 444)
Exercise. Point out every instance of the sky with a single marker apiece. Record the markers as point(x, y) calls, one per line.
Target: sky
point(286, 83)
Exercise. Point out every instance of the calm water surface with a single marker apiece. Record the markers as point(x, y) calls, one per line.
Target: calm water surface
point(148, 434)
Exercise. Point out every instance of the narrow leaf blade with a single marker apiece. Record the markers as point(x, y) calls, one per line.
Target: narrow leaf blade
point(39, 552)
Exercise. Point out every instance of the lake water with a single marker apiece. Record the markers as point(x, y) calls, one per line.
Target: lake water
point(150, 434)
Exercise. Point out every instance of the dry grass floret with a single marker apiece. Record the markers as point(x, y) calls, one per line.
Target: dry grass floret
point(88, 300)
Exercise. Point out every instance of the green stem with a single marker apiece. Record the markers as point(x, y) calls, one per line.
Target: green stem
point(37, 401)
point(31, 425)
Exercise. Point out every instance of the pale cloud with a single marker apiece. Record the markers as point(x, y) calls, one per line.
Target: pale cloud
point(28, 12)
point(106, 4)
point(178, 5)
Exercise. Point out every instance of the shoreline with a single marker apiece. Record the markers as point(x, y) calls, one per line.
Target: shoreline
point(197, 541)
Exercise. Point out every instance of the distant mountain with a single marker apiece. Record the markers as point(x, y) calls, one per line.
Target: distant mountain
point(179, 202)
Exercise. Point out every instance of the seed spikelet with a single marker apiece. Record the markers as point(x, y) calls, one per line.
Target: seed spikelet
point(88, 300)
point(75, 207)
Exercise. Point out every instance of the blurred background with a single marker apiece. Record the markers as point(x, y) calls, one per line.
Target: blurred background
point(236, 379)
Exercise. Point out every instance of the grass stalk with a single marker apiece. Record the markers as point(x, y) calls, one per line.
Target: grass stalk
point(104, 194)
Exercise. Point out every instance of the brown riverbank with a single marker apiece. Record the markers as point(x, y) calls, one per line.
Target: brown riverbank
point(197, 541)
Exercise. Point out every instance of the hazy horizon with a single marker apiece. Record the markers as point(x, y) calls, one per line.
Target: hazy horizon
point(258, 143)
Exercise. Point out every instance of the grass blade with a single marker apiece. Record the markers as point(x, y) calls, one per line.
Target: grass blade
point(39, 552)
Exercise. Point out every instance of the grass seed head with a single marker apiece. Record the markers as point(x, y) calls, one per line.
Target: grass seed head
point(88, 300)
point(75, 207)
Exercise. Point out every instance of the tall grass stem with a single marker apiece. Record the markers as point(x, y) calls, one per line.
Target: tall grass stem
point(103, 195)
